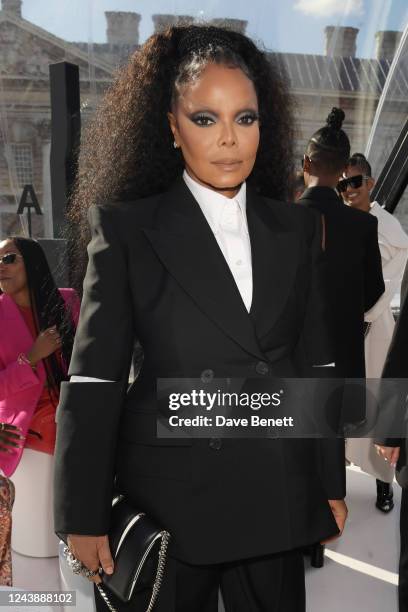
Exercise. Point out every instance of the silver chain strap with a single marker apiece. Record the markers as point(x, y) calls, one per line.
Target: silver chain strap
point(160, 569)
point(157, 581)
point(106, 598)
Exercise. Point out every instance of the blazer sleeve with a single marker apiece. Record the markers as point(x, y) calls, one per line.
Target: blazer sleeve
point(88, 414)
point(396, 363)
point(396, 366)
point(373, 277)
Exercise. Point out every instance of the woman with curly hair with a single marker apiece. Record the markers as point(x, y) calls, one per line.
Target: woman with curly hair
point(193, 255)
point(37, 326)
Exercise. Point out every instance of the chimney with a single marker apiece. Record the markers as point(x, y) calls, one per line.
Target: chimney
point(122, 27)
point(386, 44)
point(238, 25)
point(12, 6)
point(161, 22)
point(340, 41)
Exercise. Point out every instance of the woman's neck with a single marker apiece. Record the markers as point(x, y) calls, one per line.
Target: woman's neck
point(365, 206)
point(322, 181)
point(22, 298)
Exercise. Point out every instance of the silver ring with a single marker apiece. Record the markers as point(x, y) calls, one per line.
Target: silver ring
point(77, 566)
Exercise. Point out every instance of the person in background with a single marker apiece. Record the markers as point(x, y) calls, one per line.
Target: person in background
point(10, 438)
point(37, 326)
point(352, 259)
point(394, 451)
point(355, 188)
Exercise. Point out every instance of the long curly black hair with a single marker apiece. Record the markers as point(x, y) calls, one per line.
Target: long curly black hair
point(48, 308)
point(127, 150)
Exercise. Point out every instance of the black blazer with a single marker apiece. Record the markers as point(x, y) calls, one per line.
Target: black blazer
point(396, 366)
point(353, 272)
point(156, 273)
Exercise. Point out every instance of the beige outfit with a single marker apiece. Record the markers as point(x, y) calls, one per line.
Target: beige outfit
point(393, 243)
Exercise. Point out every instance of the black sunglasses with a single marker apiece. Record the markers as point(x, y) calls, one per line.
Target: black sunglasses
point(9, 258)
point(353, 181)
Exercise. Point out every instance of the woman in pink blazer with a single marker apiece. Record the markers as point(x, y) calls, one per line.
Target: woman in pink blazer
point(37, 327)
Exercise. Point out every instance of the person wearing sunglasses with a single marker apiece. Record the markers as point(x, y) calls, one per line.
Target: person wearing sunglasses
point(355, 187)
point(352, 259)
point(37, 326)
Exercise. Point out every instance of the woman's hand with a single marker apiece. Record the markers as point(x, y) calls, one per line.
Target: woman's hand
point(339, 509)
point(47, 342)
point(388, 453)
point(10, 437)
point(93, 552)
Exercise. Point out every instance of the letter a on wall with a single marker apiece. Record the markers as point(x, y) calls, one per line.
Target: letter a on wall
point(28, 200)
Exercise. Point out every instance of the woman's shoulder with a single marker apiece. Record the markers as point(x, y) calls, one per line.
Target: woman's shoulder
point(389, 227)
point(123, 219)
point(121, 211)
point(294, 217)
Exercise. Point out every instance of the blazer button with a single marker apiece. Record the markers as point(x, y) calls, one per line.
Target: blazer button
point(262, 368)
point(207, 376)
point(215, 443)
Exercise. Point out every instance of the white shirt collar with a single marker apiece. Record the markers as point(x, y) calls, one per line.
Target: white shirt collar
point(212, 203)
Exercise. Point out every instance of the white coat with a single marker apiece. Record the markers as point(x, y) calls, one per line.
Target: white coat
point(393, 243)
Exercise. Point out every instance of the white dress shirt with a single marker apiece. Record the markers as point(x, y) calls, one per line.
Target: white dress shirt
point(228, 222)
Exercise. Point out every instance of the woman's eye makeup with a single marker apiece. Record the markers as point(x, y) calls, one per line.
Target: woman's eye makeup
point(202, 119)
point(205, 120)
point(248, 118)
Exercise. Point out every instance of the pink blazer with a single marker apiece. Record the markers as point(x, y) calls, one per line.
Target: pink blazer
point(20, 387)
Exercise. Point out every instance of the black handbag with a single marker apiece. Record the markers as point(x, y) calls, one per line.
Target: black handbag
point(138, 547)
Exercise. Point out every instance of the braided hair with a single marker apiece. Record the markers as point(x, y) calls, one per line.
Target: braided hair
point(329, 147)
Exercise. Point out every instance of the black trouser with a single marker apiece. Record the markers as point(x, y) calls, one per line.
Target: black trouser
point(275, 583)
point(403, 565)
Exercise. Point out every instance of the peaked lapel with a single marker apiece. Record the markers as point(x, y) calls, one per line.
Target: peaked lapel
point(274, 261)
point(186, 246)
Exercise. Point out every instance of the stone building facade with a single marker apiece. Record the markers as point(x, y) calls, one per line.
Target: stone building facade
point(318, 82)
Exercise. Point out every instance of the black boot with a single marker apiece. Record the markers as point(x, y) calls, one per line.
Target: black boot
point(384, 496)
point(317, 555)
